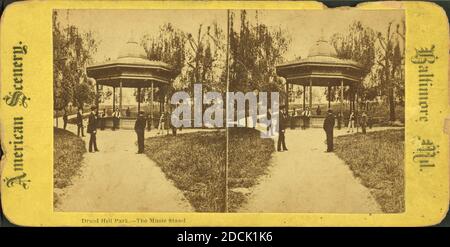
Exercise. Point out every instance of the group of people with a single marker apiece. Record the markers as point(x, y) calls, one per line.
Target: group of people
point(96, 121)
point(306, 115)
point(328, 126)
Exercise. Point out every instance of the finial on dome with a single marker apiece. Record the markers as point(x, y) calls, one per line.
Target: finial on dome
point(132, 37)
point(322, 36)
point(132, 49)
point(322, 48)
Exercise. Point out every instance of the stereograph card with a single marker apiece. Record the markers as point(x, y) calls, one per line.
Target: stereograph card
point(184, 113)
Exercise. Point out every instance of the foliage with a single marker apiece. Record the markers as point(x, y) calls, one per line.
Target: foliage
point(71, 53)
point(197, 57)
point(357, 44)
point(381, 56)
point(205, 58)
point(391, 66)
point(255, 50)
point(377, 159)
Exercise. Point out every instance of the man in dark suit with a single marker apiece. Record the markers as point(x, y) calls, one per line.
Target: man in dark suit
point(80, 127)
point(139, 127)
point(92, 130)
point(282, 119)
point(328, 126)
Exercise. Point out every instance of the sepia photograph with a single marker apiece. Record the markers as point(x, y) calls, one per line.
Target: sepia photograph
point(233, 111)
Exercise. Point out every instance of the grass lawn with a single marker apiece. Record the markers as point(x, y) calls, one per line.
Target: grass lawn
point(67, 154)
point(195, 162)
point(377, 158)
point(249, 158)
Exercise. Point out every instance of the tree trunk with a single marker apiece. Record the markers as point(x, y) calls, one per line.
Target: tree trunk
point(391, 95)
point(391, 104)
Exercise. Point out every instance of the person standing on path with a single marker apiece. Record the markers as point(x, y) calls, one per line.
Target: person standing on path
point(116, 119)
point(139, 127)
point(351, 122)
point(92, 130)
point(363, 122)
point(161, 124)
point(282, 129)
point(80, 127)
point(103, 119)
point(306, 115)
point(328, 126)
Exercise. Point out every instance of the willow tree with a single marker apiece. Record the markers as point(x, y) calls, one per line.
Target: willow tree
point(255, 50)
point(72, 51)
point(357, 43)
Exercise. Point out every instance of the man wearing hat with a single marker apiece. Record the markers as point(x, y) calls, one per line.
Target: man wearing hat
point(139, 127)
point(92, 130)
point(282, 119)
point(328, 126)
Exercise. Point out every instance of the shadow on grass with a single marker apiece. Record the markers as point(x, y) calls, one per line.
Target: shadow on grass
point(195, 163)
point(68, 155)
point(377, 158)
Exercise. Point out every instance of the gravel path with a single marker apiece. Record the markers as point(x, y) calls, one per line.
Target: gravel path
point(306, 179)
point(116, 179)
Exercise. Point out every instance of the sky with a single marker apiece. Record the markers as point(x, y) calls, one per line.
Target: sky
point(113, 28)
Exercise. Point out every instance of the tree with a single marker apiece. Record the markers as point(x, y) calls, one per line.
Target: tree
point(71, 53)
point(357, 44)
point(198, 57)
point(167, 46)
point(205, 63)
point(391, 64)
point(255, 51)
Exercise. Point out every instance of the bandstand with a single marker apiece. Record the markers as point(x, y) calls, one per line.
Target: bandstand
point(322, 68)
point(132, 69)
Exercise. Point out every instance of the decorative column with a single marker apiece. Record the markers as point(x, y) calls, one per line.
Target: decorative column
point(139, 99)
point(342, 97)
point(304, 97)
point(114, 98)
point(355, 109)
point(287, 96)
point(120, 97)
point(310, 94)
point(329, 96)
point(96, 97)
point(151, 107)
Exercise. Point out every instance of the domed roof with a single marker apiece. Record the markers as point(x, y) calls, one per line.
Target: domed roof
point(132, 50)
point(322, 48)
